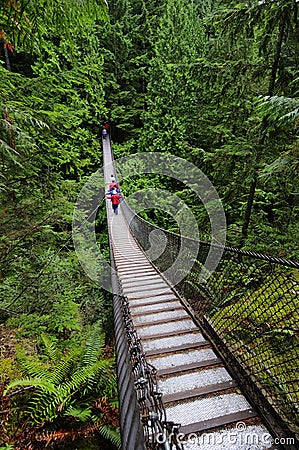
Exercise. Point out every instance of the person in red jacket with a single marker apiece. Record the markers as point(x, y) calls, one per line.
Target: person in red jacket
point(107, 126)
point(115, 199)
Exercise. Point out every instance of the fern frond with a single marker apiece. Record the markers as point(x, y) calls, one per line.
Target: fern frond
point(93, 347)
point(33, 368)
point(45, 385)
point(282, 109)
point(64, 367)
point(50, 399)
point(88, 377)
point(46, 406)
point(83, 415)
point(50, 348)
point(111, 435)
point(110, 388)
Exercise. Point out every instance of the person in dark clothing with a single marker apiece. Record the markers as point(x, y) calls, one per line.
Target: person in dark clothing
point(104, 133)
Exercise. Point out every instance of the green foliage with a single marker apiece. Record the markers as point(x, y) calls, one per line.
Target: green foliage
point(280, 109)
point(8, 370)
point(261, 329)
point(62, 386)
point(178, 44)
point(111, 435)
point(212, 82)
point(25, 23)
point(51, 104)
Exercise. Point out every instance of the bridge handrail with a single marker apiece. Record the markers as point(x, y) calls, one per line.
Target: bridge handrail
point(248, 307)
point(159, 433)
point(129, 213)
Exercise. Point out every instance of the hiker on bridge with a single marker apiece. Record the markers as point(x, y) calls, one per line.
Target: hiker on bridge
point(114, 194)
point(115, 199)
point(104, 133)
point(113, 185)
point(107, 126)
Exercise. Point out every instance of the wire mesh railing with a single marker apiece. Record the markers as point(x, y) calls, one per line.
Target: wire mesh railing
point(130, 422)
point(249, 307)
point(143, 421)
point(158, 432)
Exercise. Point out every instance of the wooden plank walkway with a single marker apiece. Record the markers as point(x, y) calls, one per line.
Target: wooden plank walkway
point(198, 391)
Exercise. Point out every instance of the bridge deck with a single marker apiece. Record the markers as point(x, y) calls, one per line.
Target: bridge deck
point(198, 391)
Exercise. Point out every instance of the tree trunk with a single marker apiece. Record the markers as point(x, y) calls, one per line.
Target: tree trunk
point(247, 214)
point(277, 54)
point(253, 183)
point(6, 55)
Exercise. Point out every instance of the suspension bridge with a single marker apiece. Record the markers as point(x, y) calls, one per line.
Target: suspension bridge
point(211, 366)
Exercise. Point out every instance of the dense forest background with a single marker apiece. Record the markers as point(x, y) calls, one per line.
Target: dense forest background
point(214, 82)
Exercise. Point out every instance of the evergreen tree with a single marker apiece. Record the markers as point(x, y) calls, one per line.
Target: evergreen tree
point(173, 91)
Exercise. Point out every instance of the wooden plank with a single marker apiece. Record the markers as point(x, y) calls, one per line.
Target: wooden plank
point(178, 348)
point(160, 322)
point(192, 366)
point(198, 392)
point(217, 422)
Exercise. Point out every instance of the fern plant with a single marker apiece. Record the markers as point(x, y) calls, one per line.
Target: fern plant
point(67, 395)
point(284, 110)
